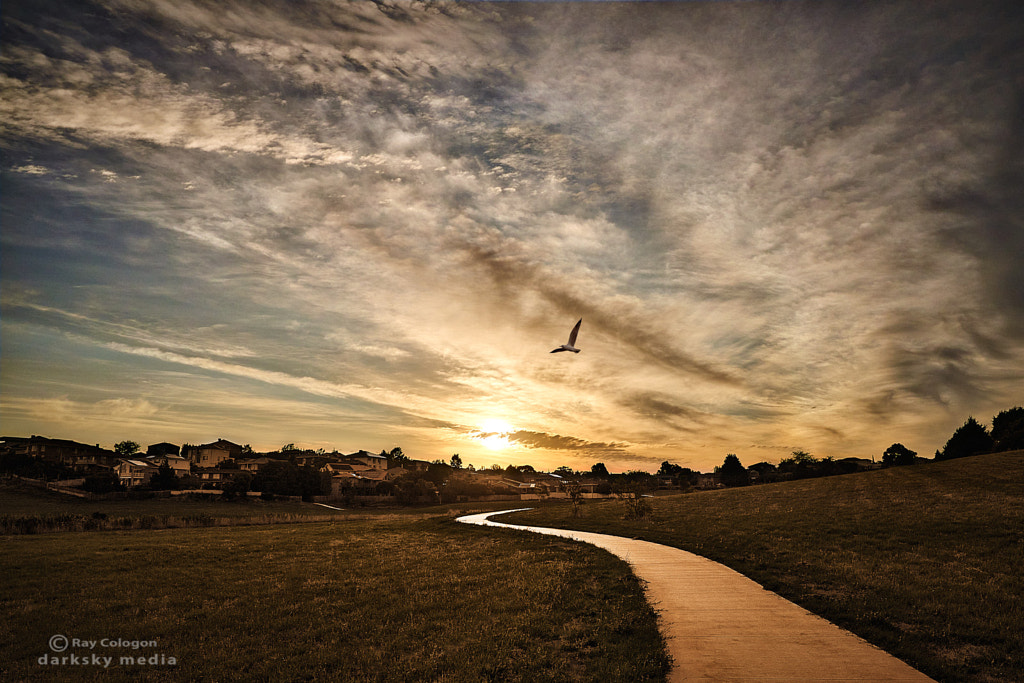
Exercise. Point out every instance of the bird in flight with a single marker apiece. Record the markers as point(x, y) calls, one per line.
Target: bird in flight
point(571, 346)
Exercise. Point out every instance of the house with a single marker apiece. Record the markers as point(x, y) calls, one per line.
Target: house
point(416, 465)
point(591, 486)
point(709, 480)
point(371, 460)
point(63, 451)
point(311, 460)
point(134, 472)
point(395, 473)
point(356, 482)
point(520, 486)
point(859, 464)
point(211, 454)
point(163, 448)
point(180, 465)
point(254, 464)
point(214, 478)
point(333, 468)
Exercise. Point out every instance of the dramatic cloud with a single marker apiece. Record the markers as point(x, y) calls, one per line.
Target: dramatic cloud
point(360, 225)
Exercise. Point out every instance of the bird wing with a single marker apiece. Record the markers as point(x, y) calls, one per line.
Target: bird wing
point(575, 331)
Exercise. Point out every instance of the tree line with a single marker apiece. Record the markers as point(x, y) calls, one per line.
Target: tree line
point(972, 438)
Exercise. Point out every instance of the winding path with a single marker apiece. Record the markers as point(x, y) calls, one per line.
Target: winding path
point(721, 626)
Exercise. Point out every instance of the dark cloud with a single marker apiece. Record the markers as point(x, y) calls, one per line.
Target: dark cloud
point(557, 442)
point(760, 209)
point(624, 323)
point(988, 217)
point(665, 409)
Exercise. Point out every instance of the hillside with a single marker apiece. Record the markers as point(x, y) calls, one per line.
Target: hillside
point(924, 561)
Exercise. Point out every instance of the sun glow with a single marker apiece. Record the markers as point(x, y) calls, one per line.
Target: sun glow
point(494, 434)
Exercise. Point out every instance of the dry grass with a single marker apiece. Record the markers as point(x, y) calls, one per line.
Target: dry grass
point(399, 599)
point(923, 561)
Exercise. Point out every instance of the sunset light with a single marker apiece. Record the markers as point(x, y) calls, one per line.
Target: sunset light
point(363, 225)
point(494, 434)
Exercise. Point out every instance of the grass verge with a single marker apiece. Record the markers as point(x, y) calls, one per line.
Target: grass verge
point(923, 561)
point(26, 510)
point(395, 599)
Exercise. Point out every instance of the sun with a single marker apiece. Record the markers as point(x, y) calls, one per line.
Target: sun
point(494, 433)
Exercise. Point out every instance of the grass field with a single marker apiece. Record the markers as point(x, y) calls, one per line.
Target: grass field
point(927, 561)
point(401, 598)
point(30, 510)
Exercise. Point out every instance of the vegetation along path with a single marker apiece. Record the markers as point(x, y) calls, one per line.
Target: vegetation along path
point(722, 626)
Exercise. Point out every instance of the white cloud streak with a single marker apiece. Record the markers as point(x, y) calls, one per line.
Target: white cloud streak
point(751, 207)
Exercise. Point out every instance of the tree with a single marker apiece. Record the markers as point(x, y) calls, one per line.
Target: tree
point(164, 480)
point(574, 489)
point(413, 488)
point(1008, 430)
point(733, 472)
point(103, 482)
point(766, 471)
point(397, 456)
point(970, 439)
point(126, 449)
point(238, 486)
point(456, 462)
point(599, 470)
point(898, 454)
point(564, 472)
point(438, 473)
point(247, 451)
point(637, 502)
point(669, 469)
point(800, 465)
point(284, 478)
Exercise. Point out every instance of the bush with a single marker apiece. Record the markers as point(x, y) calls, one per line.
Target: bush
point(1008, 430)
point(898, 454)
point(638, 505)
point(970, 439)
point(104, 482)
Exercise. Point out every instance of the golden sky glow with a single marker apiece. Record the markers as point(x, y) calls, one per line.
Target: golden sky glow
point(346, 226)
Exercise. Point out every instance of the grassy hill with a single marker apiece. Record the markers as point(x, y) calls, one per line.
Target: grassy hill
point(396, 598)
point(926, 561)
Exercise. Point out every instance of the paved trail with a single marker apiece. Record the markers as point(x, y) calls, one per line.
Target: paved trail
point(723, 627)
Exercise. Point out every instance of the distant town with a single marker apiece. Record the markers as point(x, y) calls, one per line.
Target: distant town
point(364, 476)
point(231, 470)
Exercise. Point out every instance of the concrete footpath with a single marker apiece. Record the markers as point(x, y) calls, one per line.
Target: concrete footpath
point(721, 626)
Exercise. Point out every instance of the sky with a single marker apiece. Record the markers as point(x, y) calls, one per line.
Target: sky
point(785, 226)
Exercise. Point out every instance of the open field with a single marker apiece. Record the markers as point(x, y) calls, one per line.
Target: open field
point(923, 561)
point(30, 510)
point(373, 599)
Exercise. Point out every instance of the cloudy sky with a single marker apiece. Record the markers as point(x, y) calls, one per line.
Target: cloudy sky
point(785, 225)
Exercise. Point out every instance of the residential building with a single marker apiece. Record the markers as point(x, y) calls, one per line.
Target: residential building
point(371, 460)
point(134, 472)
point(180, 465)
point(708, 480)
point(360, 482)
point(63, 451)
point(211, 454)
point(254, 464)
point(163, 448)
point(333, 468)
point(213, 478)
